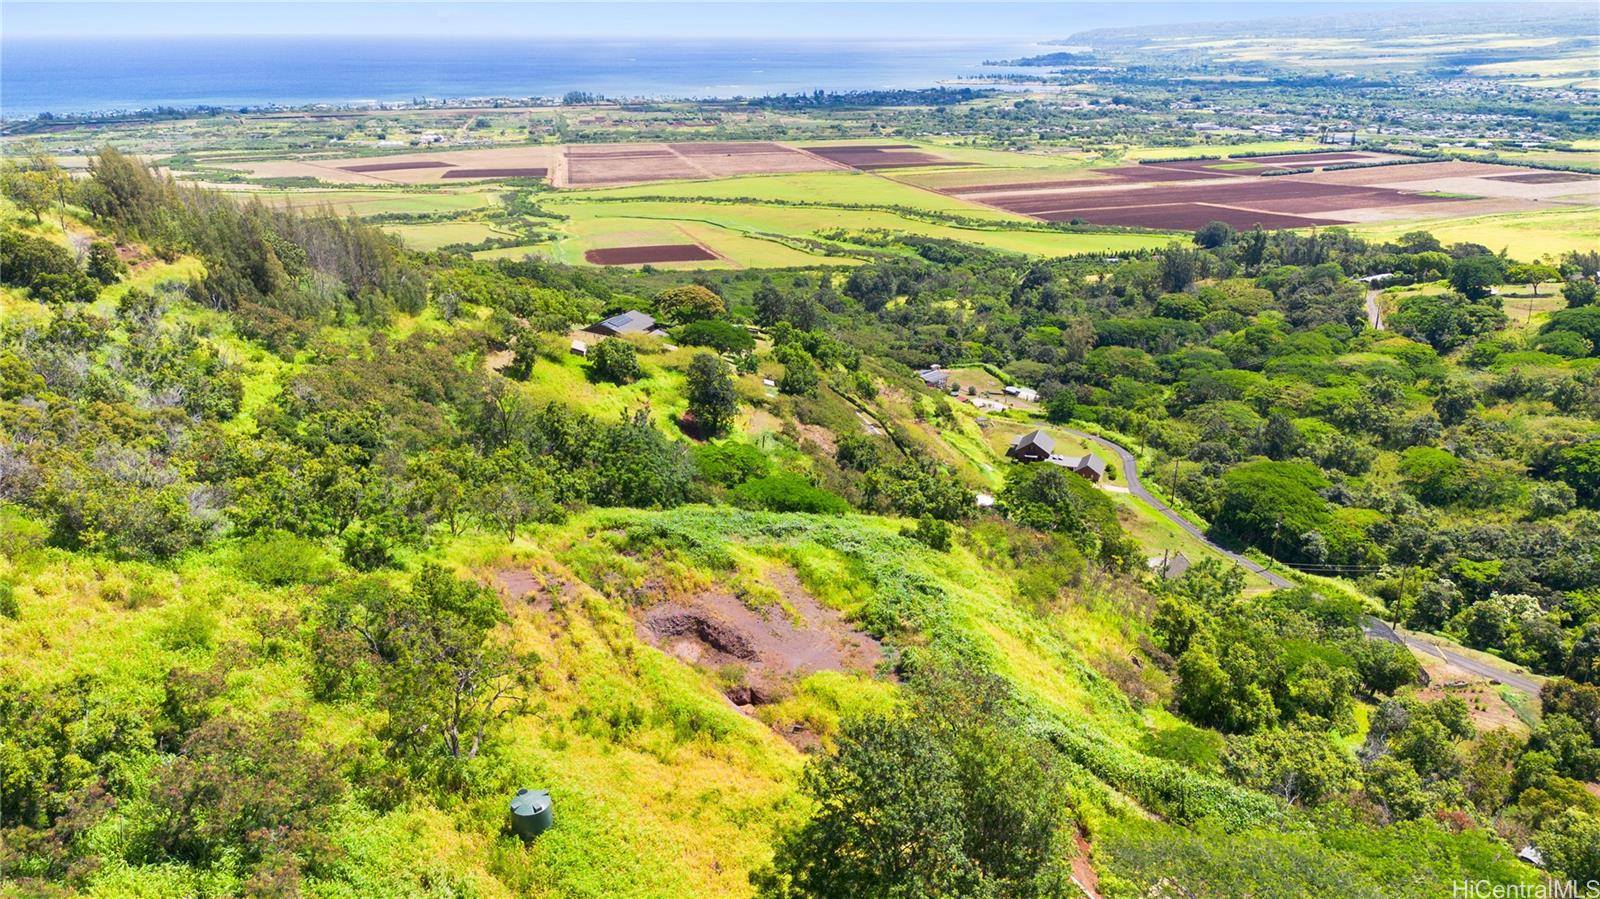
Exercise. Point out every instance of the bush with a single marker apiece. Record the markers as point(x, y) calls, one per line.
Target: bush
point(279, 559)
point(616, 360)
point(730, 464)
point(931, 532)
point(723, 336)
point(788, 492)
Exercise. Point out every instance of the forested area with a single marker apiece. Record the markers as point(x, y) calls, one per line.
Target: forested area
point(326, 423)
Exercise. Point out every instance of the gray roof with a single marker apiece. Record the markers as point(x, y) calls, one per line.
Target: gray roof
point(1036, 438)
point(631, 322)
point(1076, 463)
point(934, 377)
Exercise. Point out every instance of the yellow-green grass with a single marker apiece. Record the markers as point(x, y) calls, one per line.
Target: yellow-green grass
point(593, 226)
point(845, 188)
point(433, 235)
point(377, 202)
point(598, 224)
point(1524, 235)
point(1260, 146)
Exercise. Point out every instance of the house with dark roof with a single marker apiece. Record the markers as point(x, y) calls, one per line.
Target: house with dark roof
point(1036, 446)
point(623, 323)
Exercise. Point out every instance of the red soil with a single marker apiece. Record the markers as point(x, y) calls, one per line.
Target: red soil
point(395, 166)
point(686, 252)
point(1181, 217)
point(879, 156)
point(498, 173)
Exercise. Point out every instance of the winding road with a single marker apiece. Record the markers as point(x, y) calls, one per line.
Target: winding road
point(1372, 627)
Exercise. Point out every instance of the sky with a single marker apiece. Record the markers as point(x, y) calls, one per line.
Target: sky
point(785, 18)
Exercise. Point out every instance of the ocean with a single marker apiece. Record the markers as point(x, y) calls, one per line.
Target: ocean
point(101, 75)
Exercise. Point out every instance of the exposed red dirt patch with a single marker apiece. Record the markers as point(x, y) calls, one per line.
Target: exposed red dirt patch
point(396, 166)
point(1083, 873)
point(672, 252)
point(1164, 173)
point(769, 647)
point(529, 172)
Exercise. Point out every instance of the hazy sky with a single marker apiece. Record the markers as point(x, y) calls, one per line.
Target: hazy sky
point(972, 20)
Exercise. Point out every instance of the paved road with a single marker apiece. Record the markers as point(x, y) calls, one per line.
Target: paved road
point(1373, 627)
point(1130, 476)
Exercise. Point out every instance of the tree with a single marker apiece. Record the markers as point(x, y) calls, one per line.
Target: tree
point(1385, 667)
point(1456, 400)
point(713, 401)
point(952, 798)
point(104, 265)
point(1579, 292)
point(1299, 767)
point(616, 360)
point(800, 376)
point(33, 181)
point(689, 303)
point(1213, 235)
point(1060, 408)
point(1531, 273)
point(771, 305)
point(1473, 276)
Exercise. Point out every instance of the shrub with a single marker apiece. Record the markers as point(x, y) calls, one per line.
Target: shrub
point(788, 492)
point(616, 360)
point(723, 336)
point(931, 532)
point(279, 559)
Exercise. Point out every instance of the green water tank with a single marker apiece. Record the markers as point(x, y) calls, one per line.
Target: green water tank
point(530, 813)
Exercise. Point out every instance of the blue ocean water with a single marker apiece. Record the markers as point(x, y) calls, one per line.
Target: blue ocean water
point(101, 75)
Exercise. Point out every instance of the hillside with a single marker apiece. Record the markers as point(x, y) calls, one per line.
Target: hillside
point(316, 548)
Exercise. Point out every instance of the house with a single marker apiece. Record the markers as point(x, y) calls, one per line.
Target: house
point(1026, 394)
point(630, 322)
point(1090, 468)
point(1032, 447)
point(1169, 565)
point(935, 377)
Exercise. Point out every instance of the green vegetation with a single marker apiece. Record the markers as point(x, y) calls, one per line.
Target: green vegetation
point(317, 543)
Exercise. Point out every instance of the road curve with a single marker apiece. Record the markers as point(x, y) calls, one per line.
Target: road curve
point(1373, 627)
point(1130, 474)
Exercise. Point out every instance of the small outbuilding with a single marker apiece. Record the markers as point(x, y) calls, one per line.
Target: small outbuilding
point(1091, 468)
point(1035, 446)
point(624, 323)
point(1169, 565)
point(579, 348)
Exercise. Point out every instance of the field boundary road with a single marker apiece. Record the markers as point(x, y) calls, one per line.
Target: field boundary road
point(1371, 626)
point(1374, 312)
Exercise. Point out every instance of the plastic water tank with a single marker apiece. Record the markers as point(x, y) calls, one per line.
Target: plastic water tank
point(530, 813)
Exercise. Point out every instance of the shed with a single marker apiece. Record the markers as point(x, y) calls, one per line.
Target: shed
point(579, 348)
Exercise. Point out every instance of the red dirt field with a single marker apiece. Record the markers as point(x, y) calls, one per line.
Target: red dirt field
point(1284, 202)
point(871, 157)
point(685, 252)
point(396, 166)
point(498, 173)
point(1183, 217)
point(728, 149)
point(1543, 177)
point(1164, 173)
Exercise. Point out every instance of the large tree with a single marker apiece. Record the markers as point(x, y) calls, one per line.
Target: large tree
point(713, 402)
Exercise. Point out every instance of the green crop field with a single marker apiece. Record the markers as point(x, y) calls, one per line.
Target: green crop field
point(376, 202)
point(433, 235)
